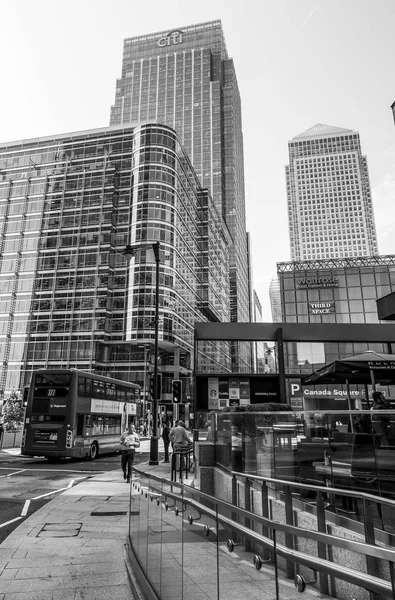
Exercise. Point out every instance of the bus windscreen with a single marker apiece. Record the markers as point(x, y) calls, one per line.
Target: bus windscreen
point(50, 393)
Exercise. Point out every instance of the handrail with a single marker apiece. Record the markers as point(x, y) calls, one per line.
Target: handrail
point(317, 488)
point(368, 581)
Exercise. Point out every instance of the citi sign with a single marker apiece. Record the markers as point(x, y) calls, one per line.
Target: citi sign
point(172, 38)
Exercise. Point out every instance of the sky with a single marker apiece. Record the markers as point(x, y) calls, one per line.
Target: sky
point(298, 63)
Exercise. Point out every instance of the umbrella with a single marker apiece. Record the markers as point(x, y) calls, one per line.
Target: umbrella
point(368, 367)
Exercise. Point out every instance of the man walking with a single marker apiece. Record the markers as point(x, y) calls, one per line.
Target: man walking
point(129, 442)
point(166, 440)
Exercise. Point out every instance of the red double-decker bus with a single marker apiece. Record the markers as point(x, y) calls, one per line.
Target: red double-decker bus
point(72, 413)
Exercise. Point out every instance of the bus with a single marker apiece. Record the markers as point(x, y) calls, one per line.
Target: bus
point(76, 414)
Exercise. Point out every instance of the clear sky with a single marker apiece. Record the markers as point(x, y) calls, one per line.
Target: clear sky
point(298, 63)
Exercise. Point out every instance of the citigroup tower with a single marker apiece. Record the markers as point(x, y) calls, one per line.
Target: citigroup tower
point(184, 78)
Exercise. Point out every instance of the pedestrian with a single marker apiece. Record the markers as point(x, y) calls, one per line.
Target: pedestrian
point(129, 442)
point(166, 440)
point(180, 438)
point(171, 434)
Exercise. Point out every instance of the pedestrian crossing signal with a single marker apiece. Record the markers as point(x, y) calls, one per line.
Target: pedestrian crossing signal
point(152, 386)
point(176, 390)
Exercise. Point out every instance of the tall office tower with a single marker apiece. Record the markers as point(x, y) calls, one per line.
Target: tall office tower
point(185, 79)
point(275, 300)
point(330, 212)
point(69, 206)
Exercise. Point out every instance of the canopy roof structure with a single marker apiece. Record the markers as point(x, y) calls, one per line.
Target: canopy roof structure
point(367, 368)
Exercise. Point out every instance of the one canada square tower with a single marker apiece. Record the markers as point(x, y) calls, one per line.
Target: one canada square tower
point(184, 78)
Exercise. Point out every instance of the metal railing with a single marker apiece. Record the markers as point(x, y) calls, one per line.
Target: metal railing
point(173, 527)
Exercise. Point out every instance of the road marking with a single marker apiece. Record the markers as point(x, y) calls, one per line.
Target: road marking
point(50, 493)
point(54, 470)
point(14, 473)
point(25, 508)
point(12, 521)
point(56, 491)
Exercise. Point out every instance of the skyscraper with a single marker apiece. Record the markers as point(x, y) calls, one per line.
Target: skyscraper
point(330, 211)
point(275, 300)
point(184, 78)
point(69, 205)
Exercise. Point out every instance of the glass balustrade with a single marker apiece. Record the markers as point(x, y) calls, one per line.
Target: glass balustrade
point(312, 509)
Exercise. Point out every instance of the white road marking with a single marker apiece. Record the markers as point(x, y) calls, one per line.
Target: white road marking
point(25, 508)
point(14, 473)
point(49, 493)
point(54, 470)
point(12, 521)
point(55, 491)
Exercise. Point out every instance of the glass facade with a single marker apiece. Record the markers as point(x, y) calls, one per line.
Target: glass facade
point(335, 291)
point(330, 212)
point(184, 78)
point(69, 205)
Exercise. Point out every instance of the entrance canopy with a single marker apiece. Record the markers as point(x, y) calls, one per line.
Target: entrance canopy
point(367, 368)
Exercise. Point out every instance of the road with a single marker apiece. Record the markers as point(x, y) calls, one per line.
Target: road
point(26, 484)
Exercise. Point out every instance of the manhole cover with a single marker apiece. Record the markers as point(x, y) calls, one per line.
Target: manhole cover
point(56, 530)
point(108, 513)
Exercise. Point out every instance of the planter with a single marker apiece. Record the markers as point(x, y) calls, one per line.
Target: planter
point(11, 439)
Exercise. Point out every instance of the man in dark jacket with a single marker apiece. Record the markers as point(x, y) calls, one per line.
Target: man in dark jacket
point(166, 440)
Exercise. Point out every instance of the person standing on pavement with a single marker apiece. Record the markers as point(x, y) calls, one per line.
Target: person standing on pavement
point(171, 434)
point(129, 442)
point(166, 440)
point(180, 439)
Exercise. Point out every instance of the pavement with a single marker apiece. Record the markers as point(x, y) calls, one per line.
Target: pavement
point(74, 548)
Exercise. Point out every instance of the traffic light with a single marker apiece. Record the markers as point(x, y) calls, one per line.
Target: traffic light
point(152, 385)
point(25, 396)
point(176, 387)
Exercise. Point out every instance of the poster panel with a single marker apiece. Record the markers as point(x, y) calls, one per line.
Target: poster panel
point(213, 393)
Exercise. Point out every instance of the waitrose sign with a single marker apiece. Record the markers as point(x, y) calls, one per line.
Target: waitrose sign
point(318, 282)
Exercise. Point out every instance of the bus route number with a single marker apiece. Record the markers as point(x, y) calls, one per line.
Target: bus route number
point(51, 392)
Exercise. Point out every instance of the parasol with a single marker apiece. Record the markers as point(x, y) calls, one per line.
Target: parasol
point(370, 367)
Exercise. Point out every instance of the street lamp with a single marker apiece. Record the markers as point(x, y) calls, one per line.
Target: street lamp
point(129, 253)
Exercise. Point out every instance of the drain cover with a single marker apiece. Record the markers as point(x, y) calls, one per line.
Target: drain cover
point(60, 530)
point(108, 513)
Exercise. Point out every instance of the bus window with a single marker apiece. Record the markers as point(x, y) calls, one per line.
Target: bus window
point(80, 424)
point(121, 393)
point(113, 424)
point(81, 386)
point(99, 389)
point(111, 391)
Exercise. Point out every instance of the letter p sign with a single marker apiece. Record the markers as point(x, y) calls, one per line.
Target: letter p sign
point(295, 387)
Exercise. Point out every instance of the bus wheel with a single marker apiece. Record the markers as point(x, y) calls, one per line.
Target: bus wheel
point(93, 451)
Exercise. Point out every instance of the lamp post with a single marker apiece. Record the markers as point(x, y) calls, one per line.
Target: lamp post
point(128, 253)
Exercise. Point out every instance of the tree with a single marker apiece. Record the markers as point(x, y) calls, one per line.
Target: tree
point(13, 412)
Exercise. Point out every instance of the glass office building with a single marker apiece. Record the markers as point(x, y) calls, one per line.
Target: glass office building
point(69, 205)
point(335, 291)
point(185, 78)
point(330, 212)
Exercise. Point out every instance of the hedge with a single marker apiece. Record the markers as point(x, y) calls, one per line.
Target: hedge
point(267, 407)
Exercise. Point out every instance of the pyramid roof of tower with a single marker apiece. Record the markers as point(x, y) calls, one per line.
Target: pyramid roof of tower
point(322, 130)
